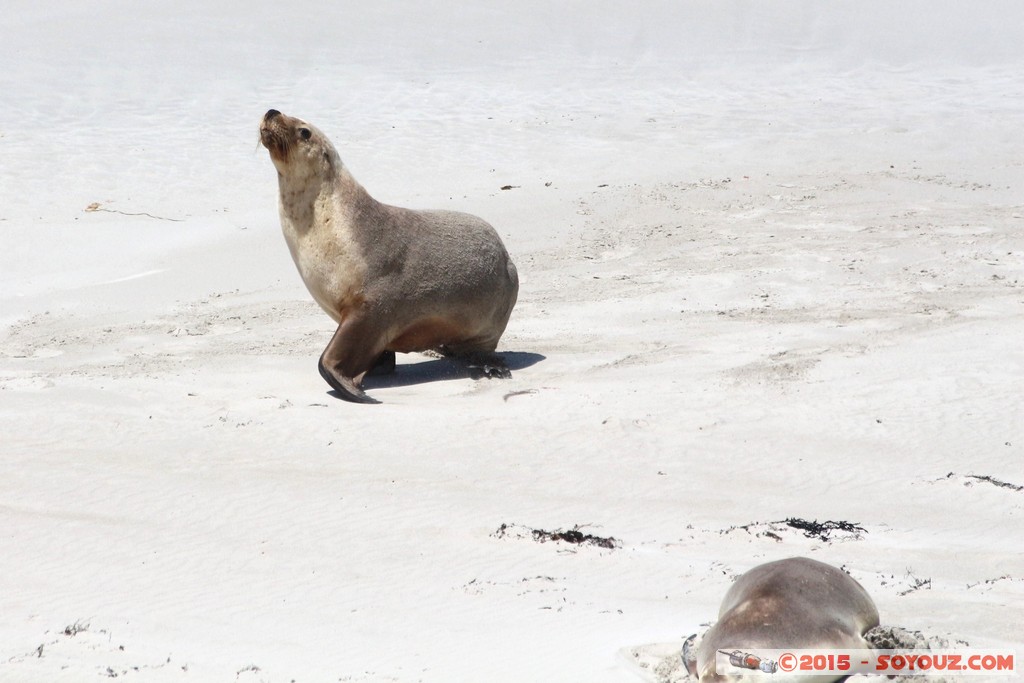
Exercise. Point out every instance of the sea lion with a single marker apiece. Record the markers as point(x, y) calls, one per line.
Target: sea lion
point(393, 279)
point(796, 603)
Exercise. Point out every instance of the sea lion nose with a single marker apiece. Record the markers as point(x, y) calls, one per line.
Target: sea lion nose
point(271, 114)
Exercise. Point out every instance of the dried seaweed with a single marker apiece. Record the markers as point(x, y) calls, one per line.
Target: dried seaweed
point(573, 536)
point(822, 530)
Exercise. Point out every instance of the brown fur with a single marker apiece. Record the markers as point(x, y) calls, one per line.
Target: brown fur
point(394, 279)
point(796, 603)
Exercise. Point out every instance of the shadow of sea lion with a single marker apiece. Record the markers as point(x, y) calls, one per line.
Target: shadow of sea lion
point(442, 369)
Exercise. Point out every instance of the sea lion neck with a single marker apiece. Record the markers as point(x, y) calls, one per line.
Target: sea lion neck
point(306, 193)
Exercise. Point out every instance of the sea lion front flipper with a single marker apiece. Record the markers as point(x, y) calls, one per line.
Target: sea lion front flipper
point(344, 387)
point(351, 353)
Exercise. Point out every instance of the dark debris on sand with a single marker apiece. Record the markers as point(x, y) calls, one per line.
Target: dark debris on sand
point(573, 536)
point(822, 530)
point(811, 529)
point(991, 480)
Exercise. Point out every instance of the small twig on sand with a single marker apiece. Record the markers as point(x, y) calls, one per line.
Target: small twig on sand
point(523, 392)
point(916, 585)
point(989, 582)
point(95, 206)
point(996, 482)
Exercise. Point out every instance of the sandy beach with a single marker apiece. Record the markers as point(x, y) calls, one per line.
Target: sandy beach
point(772, 268)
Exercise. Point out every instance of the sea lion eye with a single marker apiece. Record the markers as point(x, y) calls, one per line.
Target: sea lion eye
point(304, 133)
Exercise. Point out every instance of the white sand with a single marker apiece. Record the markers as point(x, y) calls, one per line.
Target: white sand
point(772, 262)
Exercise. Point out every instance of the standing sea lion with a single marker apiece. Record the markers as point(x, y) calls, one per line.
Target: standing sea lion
point(797, 603)
point(393, 279)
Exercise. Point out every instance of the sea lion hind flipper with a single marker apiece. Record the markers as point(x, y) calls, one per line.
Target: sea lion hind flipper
point(480, 363)
point(487, 365)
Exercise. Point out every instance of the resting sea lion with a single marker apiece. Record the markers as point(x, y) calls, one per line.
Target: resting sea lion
point(796, 603)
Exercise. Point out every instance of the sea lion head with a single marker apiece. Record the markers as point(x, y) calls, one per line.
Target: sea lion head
point(296, 147)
